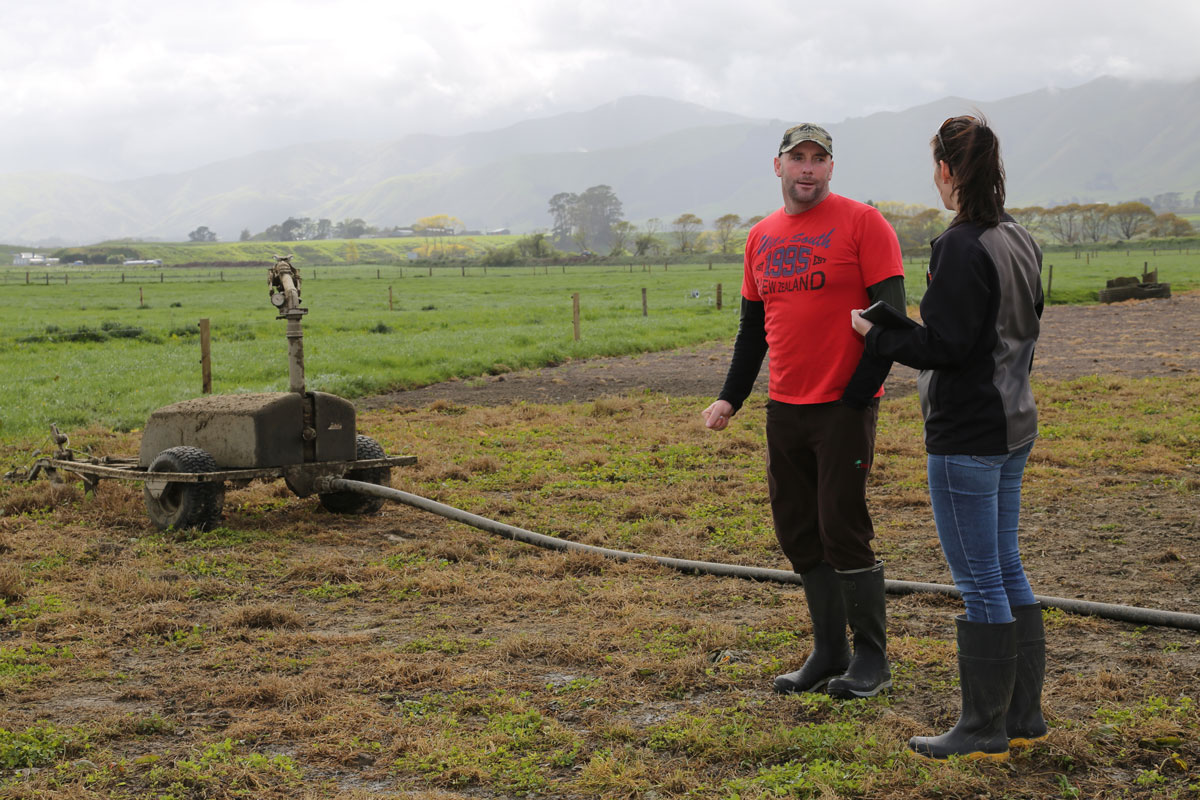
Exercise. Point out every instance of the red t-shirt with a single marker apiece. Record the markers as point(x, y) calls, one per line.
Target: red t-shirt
point(809, 270)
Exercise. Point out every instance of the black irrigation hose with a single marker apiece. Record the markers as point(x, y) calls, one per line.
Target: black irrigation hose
point(1140, 616)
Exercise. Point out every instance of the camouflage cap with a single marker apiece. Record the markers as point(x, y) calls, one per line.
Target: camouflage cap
point(806, 132)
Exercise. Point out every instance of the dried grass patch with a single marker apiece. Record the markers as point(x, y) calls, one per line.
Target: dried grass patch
point(326, 568)
point(271, 691)
point(12, 583)
point(262, 616)
point(573, 564)
point(41, 495)
point(122, 585)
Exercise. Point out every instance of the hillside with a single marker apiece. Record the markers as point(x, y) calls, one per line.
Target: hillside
point(661, 157)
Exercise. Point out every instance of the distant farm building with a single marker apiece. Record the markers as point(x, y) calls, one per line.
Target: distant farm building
point(33, 260)
point(142, 262)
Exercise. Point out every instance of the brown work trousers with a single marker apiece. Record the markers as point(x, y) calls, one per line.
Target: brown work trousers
point(818, 459)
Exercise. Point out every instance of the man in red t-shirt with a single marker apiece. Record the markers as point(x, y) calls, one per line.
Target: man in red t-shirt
point(806, 266)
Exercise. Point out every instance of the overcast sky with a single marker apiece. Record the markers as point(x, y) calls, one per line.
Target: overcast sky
point(126, 88)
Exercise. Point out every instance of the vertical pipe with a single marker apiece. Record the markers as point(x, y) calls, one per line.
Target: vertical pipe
point(295, 337)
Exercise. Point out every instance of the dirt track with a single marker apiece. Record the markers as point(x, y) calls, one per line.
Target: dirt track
point(1134, 338)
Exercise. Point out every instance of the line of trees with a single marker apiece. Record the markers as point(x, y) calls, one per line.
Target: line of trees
point(1069, 224)
point(591, 222)
point(1075, 223)
point(299, 229)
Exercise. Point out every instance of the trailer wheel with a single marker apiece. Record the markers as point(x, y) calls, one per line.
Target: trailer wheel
point(352, 502)
point(185, 505)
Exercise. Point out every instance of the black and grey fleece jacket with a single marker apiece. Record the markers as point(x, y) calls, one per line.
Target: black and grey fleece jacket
point(982, 314)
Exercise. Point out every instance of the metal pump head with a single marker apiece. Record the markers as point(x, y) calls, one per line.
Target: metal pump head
point(284, 282)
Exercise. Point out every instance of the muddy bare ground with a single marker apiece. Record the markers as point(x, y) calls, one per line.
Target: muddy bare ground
point(332, 640)
point(1134, 338)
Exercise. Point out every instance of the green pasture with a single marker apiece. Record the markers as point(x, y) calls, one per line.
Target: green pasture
point(84, 352)
point(1078, 275)
point(1075, 277)
point(88, 345)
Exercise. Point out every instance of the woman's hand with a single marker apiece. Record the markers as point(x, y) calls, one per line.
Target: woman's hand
point(861, 325)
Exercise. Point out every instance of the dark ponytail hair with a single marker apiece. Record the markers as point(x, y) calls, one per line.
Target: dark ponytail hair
point(972, 151)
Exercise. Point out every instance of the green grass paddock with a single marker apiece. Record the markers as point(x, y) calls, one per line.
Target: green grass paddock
point(83, 352)
point(88, 345)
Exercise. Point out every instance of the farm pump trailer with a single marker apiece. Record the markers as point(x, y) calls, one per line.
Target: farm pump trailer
point(189, 450)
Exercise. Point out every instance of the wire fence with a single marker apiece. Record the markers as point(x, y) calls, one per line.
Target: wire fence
point(66, 275)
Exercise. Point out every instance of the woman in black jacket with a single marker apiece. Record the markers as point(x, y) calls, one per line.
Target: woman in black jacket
point(981, 315)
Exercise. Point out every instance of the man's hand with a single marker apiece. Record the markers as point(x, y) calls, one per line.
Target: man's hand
point(861, 325)
point(717, 415)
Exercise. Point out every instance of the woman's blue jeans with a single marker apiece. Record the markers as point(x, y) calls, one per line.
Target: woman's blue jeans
point(977, 506)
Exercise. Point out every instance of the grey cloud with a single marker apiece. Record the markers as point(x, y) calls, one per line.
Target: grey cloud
point(132, 87)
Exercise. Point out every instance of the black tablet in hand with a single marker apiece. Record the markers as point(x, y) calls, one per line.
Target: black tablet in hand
point(883, 314)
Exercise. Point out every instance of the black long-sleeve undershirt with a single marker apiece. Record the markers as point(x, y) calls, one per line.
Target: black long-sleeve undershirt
point(750, 348)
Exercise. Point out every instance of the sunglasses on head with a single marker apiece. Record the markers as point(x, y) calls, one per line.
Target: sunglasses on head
point(965, 117)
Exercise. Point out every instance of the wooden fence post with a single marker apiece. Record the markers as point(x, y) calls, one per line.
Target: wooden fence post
point(205, 359)
point(389, 298)
point(718, 297)
point(575, 313)
point(141, 298)
point(645, 311)
point(1050, 285)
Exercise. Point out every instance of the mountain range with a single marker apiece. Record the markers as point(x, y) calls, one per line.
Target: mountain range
point(1109, 140)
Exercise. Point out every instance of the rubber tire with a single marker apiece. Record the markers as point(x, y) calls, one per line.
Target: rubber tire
point(1153, 291)
point(1116, 294)
point(185, 505)
point(352, 502)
